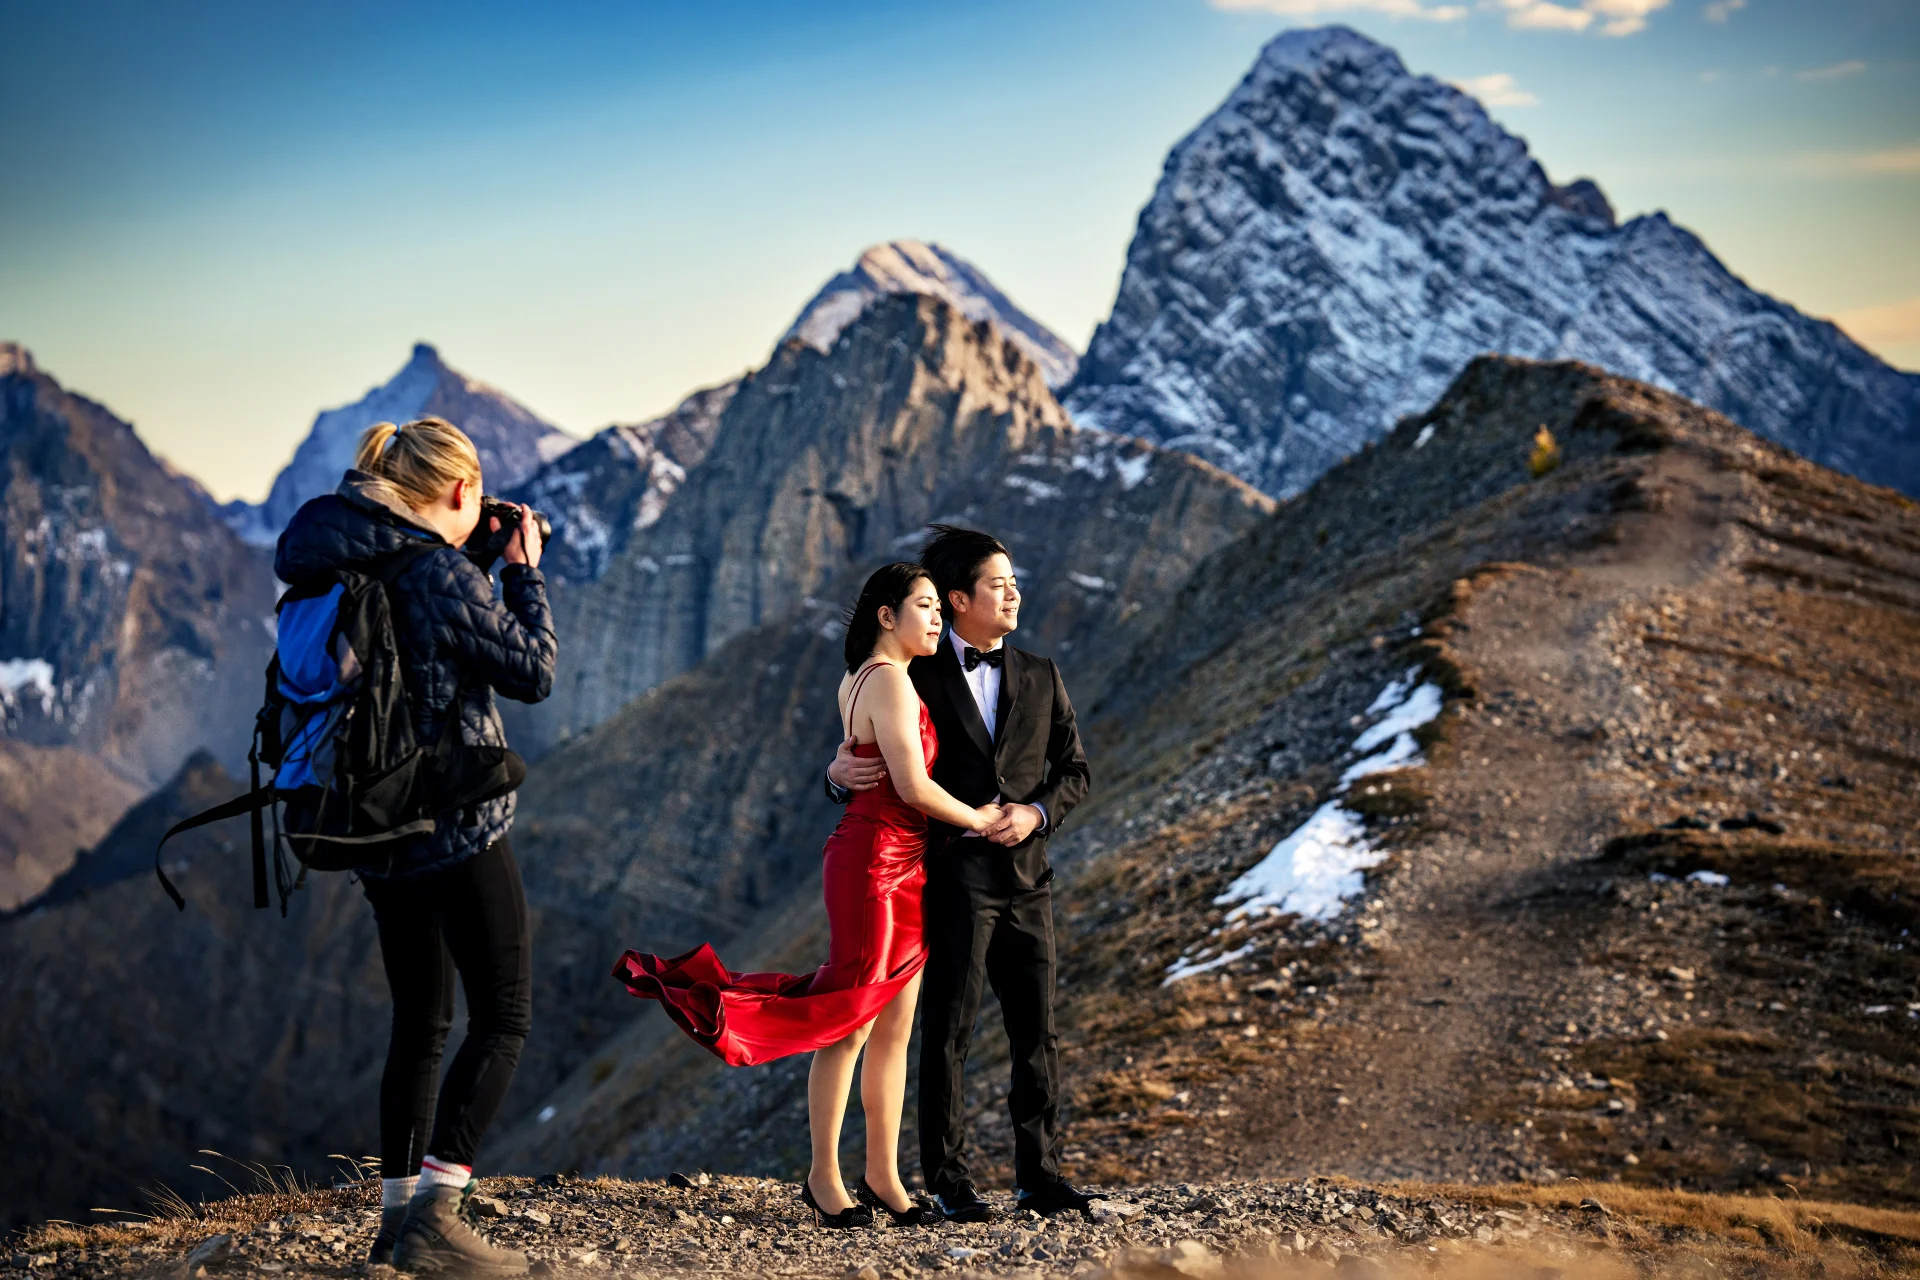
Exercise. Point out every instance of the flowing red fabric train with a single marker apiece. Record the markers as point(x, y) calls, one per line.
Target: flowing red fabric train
point(873, 870)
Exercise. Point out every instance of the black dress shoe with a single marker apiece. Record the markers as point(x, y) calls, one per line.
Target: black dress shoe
point(961, 1203)
point(1057, 1197)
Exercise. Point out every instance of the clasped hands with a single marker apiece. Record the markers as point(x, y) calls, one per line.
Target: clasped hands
point(1007, 824)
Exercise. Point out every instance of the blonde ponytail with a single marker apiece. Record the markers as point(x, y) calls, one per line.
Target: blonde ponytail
point(418, 460)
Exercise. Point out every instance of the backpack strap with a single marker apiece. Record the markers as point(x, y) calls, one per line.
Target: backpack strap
point(259, 834)
point(247, 802)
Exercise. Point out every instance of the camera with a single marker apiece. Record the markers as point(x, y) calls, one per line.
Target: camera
point(486, 544)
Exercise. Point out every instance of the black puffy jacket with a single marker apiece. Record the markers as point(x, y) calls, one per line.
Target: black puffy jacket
point(456, 639)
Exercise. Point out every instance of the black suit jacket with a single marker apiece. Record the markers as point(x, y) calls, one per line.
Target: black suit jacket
point(1036, 757)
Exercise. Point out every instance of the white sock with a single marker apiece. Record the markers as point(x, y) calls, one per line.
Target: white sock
point(442, 1173)
point(396, 1192)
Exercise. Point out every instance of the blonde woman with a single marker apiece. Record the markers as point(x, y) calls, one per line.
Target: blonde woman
point(449, 903)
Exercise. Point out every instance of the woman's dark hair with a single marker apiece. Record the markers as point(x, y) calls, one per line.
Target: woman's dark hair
point(952, 558)
point(888, 588)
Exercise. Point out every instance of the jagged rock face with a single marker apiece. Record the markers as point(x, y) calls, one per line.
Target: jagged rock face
point(933, 271)
point(600, 492)
point(1330, 247)
point(827, 462)
point(512, 441)
point(133, 624)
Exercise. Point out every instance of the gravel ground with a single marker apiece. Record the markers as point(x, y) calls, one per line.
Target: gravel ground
point(753, 1226)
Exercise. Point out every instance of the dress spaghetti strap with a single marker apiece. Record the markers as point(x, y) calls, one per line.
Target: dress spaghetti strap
point(853, 695)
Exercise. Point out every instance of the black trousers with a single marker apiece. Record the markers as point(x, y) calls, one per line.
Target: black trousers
point(469, 919)
point(983, 929)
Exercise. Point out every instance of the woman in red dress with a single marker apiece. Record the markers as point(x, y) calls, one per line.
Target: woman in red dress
point(863, 996)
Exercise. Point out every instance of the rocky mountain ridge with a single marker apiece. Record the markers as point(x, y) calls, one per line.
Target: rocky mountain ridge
point(513, 441)
point(822, 462)
point(600, 492)
point(1328, 249)
point(133, 624)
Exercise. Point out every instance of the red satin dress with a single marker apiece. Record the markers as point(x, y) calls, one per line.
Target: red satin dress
point(873, 871)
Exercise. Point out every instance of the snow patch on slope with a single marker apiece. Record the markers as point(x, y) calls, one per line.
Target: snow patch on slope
point(1321, 864)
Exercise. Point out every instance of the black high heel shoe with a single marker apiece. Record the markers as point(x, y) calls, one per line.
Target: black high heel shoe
point(856, 1215)
point(918, 1215)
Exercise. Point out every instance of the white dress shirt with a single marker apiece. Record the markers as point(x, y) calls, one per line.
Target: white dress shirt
point(984, 682)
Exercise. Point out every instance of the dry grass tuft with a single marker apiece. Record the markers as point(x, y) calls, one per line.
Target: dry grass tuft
point(263, 1192)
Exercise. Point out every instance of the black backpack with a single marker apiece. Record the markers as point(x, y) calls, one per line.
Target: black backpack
point(349, 778)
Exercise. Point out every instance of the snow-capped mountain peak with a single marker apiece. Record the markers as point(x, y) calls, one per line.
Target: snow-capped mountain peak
point(910, 266)
point(1340, 237)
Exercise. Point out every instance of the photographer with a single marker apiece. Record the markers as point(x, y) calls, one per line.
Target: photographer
point(451, 902)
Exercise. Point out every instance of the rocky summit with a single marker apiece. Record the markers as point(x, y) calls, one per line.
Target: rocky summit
point(512, 440)
point(1329, 248)
point(931, 271)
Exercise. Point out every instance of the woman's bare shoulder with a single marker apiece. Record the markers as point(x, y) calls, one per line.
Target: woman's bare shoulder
point(890, 681)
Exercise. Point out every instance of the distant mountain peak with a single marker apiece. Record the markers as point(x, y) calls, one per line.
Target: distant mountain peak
point(913, 266)
point(15, 358)
point(513, 441)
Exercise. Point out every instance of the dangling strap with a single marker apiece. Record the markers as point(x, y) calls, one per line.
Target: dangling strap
point(246, 802)
point(853, 695)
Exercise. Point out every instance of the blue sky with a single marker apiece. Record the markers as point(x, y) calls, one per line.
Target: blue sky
point(220, 221)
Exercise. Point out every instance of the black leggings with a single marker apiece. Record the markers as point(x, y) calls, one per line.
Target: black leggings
point(470, 918)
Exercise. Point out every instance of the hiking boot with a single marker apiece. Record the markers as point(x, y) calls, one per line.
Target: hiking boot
point(436, 1238)
point(391, 1216)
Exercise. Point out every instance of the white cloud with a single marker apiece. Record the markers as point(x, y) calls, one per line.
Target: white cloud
point(1322, 8)
point(1711, 77)
point(1624, 17)
point(1540, 15)
point(1721, 10)
point(1497, 90)
point(1617, 17)
point(1838, 71)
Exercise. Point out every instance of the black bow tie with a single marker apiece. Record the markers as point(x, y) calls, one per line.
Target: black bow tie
point(993, 657)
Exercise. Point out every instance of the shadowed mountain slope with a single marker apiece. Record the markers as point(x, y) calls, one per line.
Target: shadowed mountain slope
point(138, 1035)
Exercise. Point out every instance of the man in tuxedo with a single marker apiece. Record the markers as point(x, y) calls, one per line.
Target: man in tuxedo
point(1007, 735)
